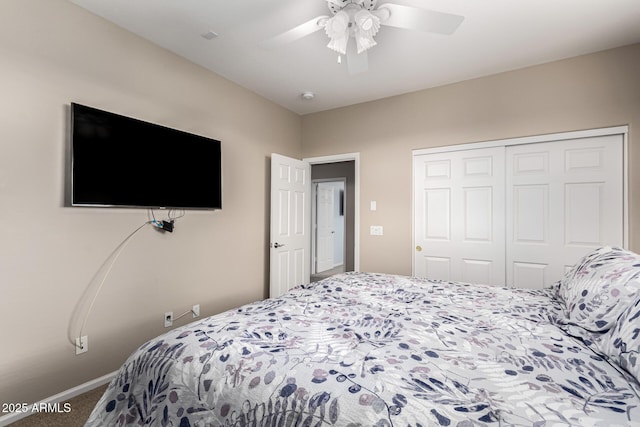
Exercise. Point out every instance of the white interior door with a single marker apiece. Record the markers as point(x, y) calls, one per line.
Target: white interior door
point(459, 216)
point(564, 198)
point(325, 231)
point(290, 258)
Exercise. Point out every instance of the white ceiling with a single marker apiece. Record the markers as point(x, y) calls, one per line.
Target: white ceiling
point(496, 36)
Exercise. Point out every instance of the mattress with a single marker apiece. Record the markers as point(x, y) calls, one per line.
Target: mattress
point(366, 349)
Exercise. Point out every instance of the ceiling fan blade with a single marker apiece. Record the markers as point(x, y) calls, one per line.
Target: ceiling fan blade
point(356, 62)
point(414, 18)
point(295, 33)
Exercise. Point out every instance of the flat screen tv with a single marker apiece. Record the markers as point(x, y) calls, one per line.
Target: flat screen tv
point(118, 161)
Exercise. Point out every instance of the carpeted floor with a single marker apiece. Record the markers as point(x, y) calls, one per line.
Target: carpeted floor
point(324, 274)
point(81, 406)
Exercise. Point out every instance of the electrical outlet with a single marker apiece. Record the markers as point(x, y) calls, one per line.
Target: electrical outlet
point(82, 344)
point(168, 319)
point(195, 310)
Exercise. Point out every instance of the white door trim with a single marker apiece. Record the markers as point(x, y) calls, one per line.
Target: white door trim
point(355, 157)
point(588, 133)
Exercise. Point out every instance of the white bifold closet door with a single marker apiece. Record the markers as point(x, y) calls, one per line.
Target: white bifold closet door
point(516, 215)
point(459, 216)
point(564, 199)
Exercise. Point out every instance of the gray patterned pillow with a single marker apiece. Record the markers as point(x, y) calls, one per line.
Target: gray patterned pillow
point(622, 342)
point(600, 287)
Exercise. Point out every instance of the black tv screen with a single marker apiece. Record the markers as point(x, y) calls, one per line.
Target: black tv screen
point(119, 161)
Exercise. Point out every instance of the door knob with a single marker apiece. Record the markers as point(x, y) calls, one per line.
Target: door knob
point(278, 245)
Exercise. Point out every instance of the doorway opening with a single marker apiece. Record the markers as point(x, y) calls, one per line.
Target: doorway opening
point(333, 216)
point(290, 228)
point(328, 240)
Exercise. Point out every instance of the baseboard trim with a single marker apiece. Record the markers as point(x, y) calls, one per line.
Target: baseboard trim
point(60, 397)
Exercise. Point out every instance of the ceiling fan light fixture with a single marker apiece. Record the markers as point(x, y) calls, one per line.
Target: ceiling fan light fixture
point(364, 42)
point(337, 28)
point(382, 13)
point(337, 25)
point(367, 26)
point(367, 21)
point(339, 44)
point(362, 19)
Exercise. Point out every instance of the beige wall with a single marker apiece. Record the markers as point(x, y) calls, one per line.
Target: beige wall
point(592, 91)
point(53, 53)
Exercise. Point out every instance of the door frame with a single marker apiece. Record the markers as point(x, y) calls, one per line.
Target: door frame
point(614, 130)
point(314, 213)
point(355, 158)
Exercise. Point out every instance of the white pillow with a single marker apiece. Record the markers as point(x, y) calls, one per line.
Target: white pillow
point(622, 342)
point(600, 287)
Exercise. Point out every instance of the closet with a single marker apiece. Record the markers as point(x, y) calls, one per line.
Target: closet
point(518, 212)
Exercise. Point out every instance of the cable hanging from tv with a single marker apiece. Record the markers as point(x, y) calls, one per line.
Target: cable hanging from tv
point(109, 262)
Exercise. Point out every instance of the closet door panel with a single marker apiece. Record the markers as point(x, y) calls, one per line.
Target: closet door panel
point(530, 275)
point(437, 218)
point(563, 199)
point(459, 216)
point(584, 203)
point(531, 214)
point(478, 214)
point(520, 214)
point(477, 271)
point(438, 268)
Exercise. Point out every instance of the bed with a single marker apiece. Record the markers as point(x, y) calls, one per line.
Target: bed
point(365, 349)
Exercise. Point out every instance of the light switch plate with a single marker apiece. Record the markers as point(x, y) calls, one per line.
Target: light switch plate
point(376, 230)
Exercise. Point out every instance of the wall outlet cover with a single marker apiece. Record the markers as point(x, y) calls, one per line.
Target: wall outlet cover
point(82, 344)
point(168, 319)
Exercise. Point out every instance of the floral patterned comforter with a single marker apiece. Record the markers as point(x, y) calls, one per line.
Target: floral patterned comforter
point(363, 349)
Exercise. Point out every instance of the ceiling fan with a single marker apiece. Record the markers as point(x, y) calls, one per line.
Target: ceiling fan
point(360, 20)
